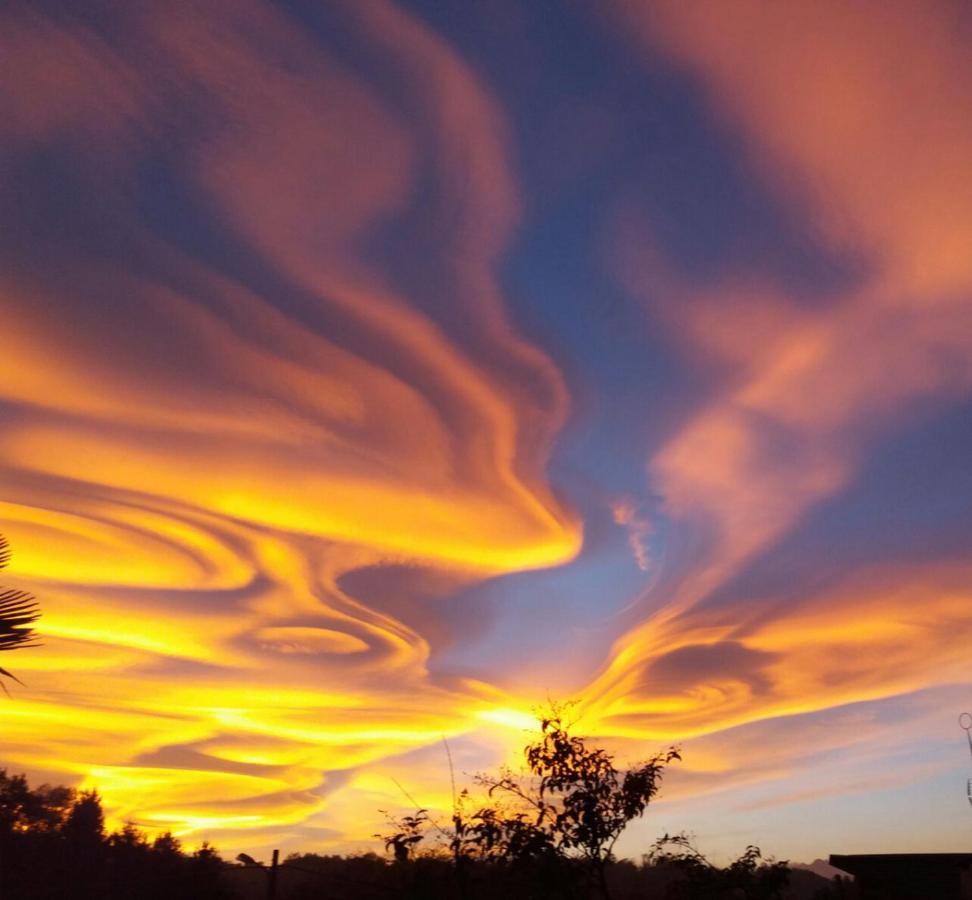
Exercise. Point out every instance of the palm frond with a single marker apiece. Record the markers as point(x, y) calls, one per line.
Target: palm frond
point(18, 612)
point(11, 675)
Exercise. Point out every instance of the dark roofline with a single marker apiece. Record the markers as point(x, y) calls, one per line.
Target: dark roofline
point(855, 863)
point(888, 857)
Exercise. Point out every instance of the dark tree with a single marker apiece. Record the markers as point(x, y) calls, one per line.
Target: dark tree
point(560, 820)
point(85, 823)
point(749, 877)
point(53, 846)
point(409, 833)
point(41, 810)
point(575, 802)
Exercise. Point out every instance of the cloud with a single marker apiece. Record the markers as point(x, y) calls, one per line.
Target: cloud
point(627, 515)
point(866, 151)
point(230, 390)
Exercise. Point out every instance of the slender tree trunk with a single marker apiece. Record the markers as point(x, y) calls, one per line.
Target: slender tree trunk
point(602, 879)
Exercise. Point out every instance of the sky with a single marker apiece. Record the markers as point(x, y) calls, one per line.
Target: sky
point(374, 372)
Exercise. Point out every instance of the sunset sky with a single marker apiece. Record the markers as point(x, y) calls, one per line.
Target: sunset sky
point(373, 371)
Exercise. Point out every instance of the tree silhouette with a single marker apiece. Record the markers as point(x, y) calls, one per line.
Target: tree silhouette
point(18, 612)
point(748, 878)
point(85, 823)
point(410, 833)
point(53, 845)
point(38, 810)
point(560, 820)
point(575, 804)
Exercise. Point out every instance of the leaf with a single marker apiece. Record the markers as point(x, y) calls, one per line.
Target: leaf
point(18, 611)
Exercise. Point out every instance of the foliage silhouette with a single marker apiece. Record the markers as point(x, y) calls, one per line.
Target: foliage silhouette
point(561, 819)
point(18, 612)
point(411, 831)
point(53, 846)
point(746, 878)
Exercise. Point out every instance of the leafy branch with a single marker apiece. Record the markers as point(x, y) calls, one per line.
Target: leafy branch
point(18, 612)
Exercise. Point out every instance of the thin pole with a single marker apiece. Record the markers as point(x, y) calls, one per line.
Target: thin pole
point(272, 877)
point(965, 723)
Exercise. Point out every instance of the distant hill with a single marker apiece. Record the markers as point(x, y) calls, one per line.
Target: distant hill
point(820, 867)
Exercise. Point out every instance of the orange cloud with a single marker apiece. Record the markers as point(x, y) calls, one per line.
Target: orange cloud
point(204, 448)
point(871, 152)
